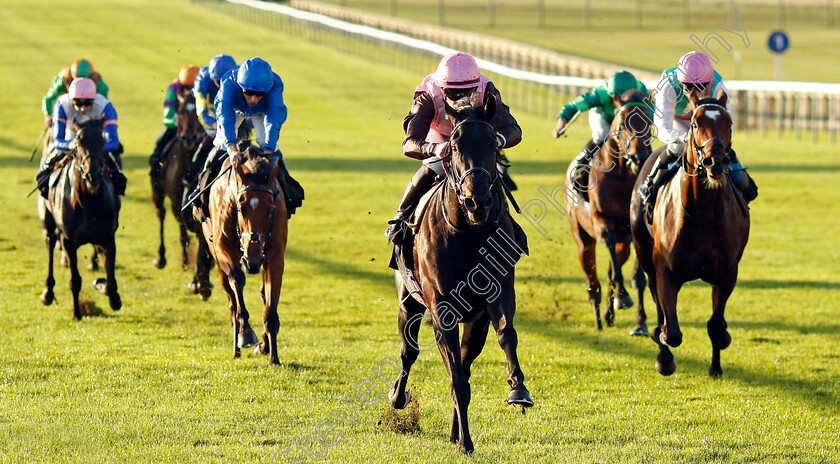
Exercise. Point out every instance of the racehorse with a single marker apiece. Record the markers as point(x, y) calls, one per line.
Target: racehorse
point(465, 219)
point(699, 230)
point(84, 208)
point(605, 217)
point(247, 227)
point(174, 164)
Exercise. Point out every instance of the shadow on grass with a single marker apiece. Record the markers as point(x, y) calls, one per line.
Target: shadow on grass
point(590, 340)
point(383, 279)
point(778, 284)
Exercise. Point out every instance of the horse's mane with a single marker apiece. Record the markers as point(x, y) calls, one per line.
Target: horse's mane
point(259, 165)
point(89, 134)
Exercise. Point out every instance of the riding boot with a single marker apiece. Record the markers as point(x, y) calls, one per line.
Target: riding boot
point(505, 165)
point(162, 141)
point(118, 179)
point(659, 174)
point(580, 174)
point(420, 184)
point(43, 174)
point(742, 179)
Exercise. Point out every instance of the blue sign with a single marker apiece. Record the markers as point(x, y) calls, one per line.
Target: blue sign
point(778, 42)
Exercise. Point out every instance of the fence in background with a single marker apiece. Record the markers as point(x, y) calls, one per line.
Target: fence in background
point(534, 80)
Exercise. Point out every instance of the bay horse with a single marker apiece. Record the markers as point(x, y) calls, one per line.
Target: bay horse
point(699, 230)
point(605, 215)
point(462, 270)
point(82, 207)
point(248, 226)
point(175, 162)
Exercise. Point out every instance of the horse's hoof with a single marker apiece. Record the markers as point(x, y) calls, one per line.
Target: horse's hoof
point(520, 397)
point(160, 263)
point(192, 287)
point(47, 297)
point(205, 291)
point(247, 339)
point(639, 331)
point(115, 301)
point(623, 301)
point(466, 449)
point(101, 285)
point(715, 372)
point(396, 401)
point(666, 368)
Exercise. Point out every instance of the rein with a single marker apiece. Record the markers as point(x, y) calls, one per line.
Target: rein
point(701, 150)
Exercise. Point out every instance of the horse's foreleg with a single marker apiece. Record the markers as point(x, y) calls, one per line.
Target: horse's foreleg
point(619, 252)
point(50, 237)
point(245, 336)
point(639, 283)
point(448, 344)
point(586, 253)
point(203, 264)
point(110, 274)
point(501, 314)
point(185, 246)
point(232, 299)
point(667, 289)
point(272, 282)
point(160, 210)
point(716, 326)
point(408, 322)
point(75, 279)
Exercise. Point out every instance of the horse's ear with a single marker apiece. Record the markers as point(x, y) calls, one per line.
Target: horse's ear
point(490, 106)
point(722, 97)
point(694, 98)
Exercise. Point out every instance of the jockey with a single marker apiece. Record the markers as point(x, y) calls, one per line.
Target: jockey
point(251, 90)
point(694, 75)
point(61, 83)
point(183, 84)
point(427, 128)
point(603, 101)
point(81, 104)
point(205, 90)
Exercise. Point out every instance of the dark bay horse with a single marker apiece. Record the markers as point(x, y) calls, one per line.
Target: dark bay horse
point(463, 258)
point(605, 217)
point(699, 231)
point(175, 162)
point(247, 227)
point(83, 207)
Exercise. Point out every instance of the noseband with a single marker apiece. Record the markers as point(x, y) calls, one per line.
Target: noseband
point(449, 170)
point(256, 238)
point(701, 149)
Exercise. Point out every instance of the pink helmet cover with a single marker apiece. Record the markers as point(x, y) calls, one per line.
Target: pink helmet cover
point(695, 68)
point(83, 88)
point(457, 71)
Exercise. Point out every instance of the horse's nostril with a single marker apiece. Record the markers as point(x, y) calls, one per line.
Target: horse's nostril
point(470, 204)
point(708, 162)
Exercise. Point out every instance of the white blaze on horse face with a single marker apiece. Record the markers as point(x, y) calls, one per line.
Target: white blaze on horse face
point(254, 202)
point(712, 114)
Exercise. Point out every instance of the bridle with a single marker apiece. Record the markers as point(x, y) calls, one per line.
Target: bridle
point(253, 237)
point(624, 142)
point(452, 178)
point(701, 165)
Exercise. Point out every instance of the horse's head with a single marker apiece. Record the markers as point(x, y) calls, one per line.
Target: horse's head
point(257, 198)
point(188, 126)
point(629, 139)
point(471, 163)
point(709, 139)
point(89, 155)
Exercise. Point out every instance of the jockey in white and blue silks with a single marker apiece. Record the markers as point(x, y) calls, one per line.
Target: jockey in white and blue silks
point(693, 75)
point(81, 104)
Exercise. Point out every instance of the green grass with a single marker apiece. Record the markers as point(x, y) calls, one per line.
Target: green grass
point(613, 36)
point(155, 382)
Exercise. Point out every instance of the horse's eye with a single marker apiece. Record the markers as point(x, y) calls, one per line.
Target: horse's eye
point(694, 125)
point(242, 198)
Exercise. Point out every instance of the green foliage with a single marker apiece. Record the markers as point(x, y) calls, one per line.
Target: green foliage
point(155, 382)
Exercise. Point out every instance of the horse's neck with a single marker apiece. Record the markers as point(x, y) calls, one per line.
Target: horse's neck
point(611, 159)
point(702, 204)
